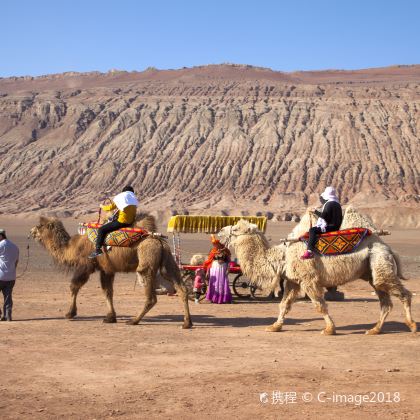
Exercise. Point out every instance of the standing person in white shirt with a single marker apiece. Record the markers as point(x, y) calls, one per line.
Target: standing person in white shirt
point(9, 258)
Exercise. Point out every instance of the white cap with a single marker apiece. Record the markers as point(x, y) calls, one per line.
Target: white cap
point(329, 194)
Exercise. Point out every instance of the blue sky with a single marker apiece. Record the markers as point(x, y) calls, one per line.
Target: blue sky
point(43, 36)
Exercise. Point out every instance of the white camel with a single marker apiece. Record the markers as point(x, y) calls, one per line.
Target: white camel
point(373, 261)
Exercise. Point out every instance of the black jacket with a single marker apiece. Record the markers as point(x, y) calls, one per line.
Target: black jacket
point(332, 214)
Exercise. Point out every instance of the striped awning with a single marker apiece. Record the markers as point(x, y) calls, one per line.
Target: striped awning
point(210, 224)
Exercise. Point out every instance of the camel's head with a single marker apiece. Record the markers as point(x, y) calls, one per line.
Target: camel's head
point(48, 229)
point(230, 234)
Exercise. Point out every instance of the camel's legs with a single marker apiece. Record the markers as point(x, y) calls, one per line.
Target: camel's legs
point(149, 290)
point(80, 277)
point(317, 298)
point(182, 292)
point(404, 295)
point(160, 259)
point(107, 284)
point(386, 306)
point(385, 279)
point(290, 294)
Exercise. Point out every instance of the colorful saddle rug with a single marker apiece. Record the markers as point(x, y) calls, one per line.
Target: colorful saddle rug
point(338, 242)
point(124, 237)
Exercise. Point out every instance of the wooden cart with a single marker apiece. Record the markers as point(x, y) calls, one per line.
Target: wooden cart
point(210, 225)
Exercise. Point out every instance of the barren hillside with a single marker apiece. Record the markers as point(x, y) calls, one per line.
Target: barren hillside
point(213, 138)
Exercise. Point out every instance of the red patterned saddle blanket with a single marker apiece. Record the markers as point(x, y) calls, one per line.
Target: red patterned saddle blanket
point(124, 237)
point(338, 242)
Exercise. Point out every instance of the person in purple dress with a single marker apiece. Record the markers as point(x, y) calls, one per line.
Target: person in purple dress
point(217, 266)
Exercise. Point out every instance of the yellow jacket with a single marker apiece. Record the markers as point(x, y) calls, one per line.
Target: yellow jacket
point(128, 215)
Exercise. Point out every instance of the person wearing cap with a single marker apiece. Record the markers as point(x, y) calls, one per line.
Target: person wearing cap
point(125, 206)
point(329, 219)
point(9, 258)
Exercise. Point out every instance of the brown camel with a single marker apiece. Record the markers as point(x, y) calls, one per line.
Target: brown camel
point(148, 257)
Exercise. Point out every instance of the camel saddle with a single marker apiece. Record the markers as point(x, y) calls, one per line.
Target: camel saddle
point(338, 242)
point(124, 237)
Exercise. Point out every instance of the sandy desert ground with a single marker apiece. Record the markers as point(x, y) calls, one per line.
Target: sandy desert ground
point(55, 368)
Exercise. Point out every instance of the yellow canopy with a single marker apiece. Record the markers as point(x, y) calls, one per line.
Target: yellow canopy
point(210, 224)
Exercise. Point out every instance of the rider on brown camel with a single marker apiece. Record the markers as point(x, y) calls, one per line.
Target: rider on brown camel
point(125, 206)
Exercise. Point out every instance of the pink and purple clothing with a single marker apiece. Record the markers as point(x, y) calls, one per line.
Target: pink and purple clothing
point(198, 281)
point(219, 290)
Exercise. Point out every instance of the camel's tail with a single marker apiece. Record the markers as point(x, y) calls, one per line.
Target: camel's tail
point(399, 266)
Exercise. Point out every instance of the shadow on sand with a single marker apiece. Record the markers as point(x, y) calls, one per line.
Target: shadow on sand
point(62, 318)
point(207, 321)
point(391, 327)
point(215, 321)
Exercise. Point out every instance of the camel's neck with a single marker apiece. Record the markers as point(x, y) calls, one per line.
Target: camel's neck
point(253, 258)
point(57, 246)
point(251, 250)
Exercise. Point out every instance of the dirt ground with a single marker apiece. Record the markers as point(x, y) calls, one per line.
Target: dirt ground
point(227, 365)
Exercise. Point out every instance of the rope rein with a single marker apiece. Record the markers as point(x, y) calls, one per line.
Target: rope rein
point(27, 263)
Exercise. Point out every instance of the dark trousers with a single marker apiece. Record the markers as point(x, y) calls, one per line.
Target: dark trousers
point(7, 287)
point(313, 232)
point(108, 228)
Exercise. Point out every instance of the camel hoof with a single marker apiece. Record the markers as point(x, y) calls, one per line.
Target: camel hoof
point(131, 322)
point(373, 331)
point(328, 331)
point(187, 326)
point(274, 328)
point(70, 315)
point(110, 320)
point(412, 326)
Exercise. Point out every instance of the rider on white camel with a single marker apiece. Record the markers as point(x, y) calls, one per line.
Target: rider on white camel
point(330, 219)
